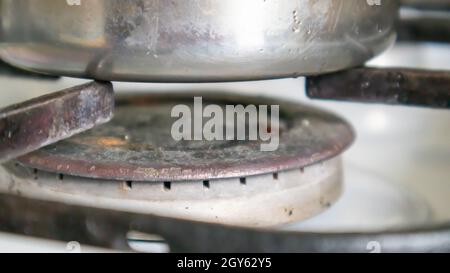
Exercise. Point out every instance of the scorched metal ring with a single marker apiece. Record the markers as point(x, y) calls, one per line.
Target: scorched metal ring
point(137, 144)
point(287, 196)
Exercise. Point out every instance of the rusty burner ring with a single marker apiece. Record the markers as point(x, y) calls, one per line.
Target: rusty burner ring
point(137, 145)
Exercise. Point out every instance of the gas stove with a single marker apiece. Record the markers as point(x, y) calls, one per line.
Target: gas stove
point(354, 177)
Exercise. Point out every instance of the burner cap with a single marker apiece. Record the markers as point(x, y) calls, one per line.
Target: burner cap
point(137, 144)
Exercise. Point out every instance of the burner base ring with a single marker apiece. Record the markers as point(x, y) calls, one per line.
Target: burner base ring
point(255, 201)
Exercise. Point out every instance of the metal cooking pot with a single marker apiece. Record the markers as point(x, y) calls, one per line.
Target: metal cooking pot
point(193, 40)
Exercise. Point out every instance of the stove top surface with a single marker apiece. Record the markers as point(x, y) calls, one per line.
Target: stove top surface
point(397, 171)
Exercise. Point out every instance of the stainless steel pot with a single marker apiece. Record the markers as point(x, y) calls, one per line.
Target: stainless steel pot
point(193, 40)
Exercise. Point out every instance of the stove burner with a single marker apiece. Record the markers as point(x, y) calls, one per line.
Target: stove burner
point(137, 145)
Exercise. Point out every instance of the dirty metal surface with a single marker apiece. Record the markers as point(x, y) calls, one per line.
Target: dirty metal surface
point(199, 41)
point(45, 120)
point(287, 196)
point(6, 70)
point(109, 228)
point(137, 144)
point(388, 86)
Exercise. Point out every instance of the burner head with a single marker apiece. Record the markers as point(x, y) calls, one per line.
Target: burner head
point(137, 145)
point(256, 201)
point(134, 164)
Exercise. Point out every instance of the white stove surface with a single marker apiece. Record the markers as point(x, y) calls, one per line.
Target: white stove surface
point(397, 172)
